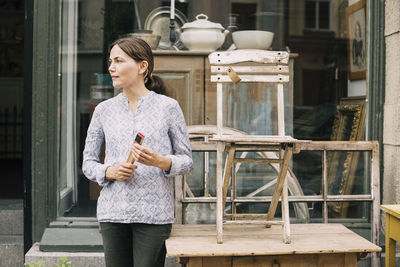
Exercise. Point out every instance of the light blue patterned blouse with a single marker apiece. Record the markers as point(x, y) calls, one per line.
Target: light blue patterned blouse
point(148, 197)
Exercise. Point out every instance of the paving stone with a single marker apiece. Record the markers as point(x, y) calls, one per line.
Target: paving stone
point(11, 251)
point(11, 217)
point(78, 259)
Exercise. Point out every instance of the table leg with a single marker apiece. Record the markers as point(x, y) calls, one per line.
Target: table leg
point(390, 257)
point(390, 253)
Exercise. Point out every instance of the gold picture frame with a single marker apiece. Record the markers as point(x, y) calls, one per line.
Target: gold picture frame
point(357, 45)
point(348, 126)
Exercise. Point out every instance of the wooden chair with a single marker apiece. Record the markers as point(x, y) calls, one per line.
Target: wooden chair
point(252, 66)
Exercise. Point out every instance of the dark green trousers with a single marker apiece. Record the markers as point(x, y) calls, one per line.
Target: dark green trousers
point(136, 244)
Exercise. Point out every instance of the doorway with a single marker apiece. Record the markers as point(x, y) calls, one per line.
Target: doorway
point(11, 98)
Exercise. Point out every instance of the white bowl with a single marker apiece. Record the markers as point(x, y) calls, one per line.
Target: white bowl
point(151, 39)
point(252, 39)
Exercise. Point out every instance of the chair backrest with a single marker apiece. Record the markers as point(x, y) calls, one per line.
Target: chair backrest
point(250, 66)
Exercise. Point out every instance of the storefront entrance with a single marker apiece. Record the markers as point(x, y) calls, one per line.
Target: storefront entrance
point(11, 98)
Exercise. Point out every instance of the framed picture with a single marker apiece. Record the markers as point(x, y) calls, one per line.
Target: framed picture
point(348, 126)
point(356, 30)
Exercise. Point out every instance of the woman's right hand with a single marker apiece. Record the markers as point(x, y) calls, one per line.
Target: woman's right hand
point(121, 172)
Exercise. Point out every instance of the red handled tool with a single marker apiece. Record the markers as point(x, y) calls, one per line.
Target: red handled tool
point(138, 139)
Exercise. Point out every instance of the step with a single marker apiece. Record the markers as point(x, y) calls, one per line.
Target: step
point(71, 240)
point(78, 259)
point(11, 217)
point(11, 250)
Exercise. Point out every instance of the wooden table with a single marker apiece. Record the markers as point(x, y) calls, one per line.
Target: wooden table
point(392, 232)
point(249, 245)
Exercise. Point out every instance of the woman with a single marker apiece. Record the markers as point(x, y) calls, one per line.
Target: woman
point(136, 204)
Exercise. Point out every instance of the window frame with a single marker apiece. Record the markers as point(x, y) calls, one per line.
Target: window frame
point(317, 28)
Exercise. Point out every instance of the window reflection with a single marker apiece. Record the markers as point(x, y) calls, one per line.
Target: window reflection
point(314, 31)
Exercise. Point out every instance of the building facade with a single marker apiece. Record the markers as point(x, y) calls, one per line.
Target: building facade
point(342, 50)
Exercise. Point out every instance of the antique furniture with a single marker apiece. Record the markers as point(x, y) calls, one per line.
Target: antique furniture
point(313, 245)
point(392, 233)
point(184, 72)
point(256, 66)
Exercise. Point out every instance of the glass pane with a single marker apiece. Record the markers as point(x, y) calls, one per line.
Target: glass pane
point(199, 213)
point(301, 212)
point(324, 15)
point(316, 98)
point(255, 208)
point(348, 173)
point(342, 211)
point(201, 181)
point(257, 115)
point(307, 168)
point(310, 14)
point(255, 179)
point(68, 95)
point(196, 180)
point(315, 211)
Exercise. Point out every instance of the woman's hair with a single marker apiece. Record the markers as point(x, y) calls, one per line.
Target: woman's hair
point(139, 51)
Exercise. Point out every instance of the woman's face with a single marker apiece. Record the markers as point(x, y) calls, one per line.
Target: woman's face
point(124, 70)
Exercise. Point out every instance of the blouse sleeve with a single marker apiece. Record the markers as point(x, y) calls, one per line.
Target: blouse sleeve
point(181, 159)
point(93, 169)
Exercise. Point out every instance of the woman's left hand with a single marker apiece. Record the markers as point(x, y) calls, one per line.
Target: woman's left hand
point(149, 157)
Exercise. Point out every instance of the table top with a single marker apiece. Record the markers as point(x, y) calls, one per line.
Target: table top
point(393, 210)
point(248, 240)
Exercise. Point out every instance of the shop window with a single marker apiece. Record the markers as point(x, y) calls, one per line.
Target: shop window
point(319, 83)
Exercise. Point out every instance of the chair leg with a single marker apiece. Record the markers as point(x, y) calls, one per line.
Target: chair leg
point(285, 214)
point(287, 155)
point(227, 175)
point(219, 223)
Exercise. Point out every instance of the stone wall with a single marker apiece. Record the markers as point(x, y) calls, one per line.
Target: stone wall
point(391, 136)
point(11, 233)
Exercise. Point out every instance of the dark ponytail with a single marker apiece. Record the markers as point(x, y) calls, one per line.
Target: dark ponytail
point(156, 84)
point(139, 51)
